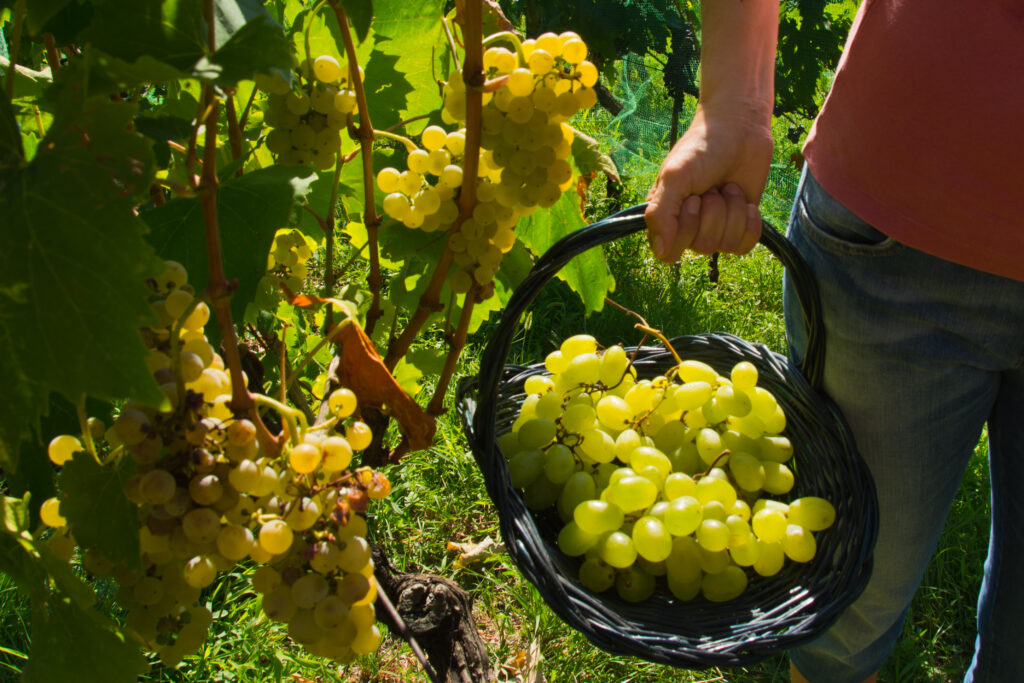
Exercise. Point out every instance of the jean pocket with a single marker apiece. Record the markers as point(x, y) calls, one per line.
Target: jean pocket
point(835, 227)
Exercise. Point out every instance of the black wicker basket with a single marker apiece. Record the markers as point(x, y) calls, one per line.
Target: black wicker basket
point(772, 614)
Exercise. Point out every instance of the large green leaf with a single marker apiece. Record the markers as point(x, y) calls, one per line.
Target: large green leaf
point(41, 11)
point(587, 274)
point(410, 31)
point(72, 269)
point(250, 209)
point(70, 639)
point(74, 644)
point(153, 42)
point(11, 151)
point(112, 526)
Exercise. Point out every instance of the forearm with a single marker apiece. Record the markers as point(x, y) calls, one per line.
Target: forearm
point(738, 56)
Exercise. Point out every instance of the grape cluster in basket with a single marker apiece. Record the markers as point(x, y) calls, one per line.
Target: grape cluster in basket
point(671, 476)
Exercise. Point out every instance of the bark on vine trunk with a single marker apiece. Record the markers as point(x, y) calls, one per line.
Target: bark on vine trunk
point(439, 613)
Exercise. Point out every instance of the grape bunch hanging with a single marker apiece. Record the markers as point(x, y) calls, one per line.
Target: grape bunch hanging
point(524, 152)
point(208, 496)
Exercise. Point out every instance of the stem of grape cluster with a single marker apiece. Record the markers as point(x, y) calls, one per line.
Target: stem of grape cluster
point(410, 146)
point(52, 58)
point(234, 131)
point(510, 37)
point(645, 327)
point(371, 219)
point(218, 289)
point(455, 346)
point(473, 75)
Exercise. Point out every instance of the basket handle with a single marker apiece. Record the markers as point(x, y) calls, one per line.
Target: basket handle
point(620, 224)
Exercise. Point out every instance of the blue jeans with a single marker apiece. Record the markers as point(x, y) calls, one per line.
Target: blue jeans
point(920, 354)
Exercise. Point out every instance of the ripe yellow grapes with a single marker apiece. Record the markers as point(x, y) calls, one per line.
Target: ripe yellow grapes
point(665, 476)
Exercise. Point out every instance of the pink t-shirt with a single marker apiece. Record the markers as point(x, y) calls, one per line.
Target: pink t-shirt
point(922, 134)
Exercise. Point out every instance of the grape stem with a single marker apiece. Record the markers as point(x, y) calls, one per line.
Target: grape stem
point(19, 16)
point(309, 24)
point(643, 326)
point(410, 146)
point(714, 462)
point(510, 37)
point(473, 76)
point(455, 345)
point(218, 289)
point(52, 58)
point(371, 219)
point(83, 424)
point(234, 131)
point(291, 416)
point(451, 43)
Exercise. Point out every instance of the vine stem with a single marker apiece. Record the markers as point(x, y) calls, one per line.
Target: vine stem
point(52, 58)
point(406, 632)
point(473, 76)
point(12, 67)
point(371, 219)
point(328, 224)
point(234, 131)
point(218, 288)
point(455, 346)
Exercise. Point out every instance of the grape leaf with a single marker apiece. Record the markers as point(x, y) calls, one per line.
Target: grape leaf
point(98, 513)
point(40, 12)
point(70, 639)
point(408, 30)
point(586, 152)
point(74, 644)
point(161, 40)
point(362, 370)
point(11, 151)
point(587, 274)
point(250, 209)
point(153, 42)
point(72, 206)
point(259, 46)
point(360, 14)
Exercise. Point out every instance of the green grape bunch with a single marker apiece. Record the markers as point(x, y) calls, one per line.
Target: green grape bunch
point(524, 154)
point(675, 476)
point(307, 117)
point(208, 496)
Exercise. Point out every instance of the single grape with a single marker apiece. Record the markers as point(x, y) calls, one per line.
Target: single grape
point(652, 539)
point(49, 513)
point(713, 535)
point(359, 435)
point(275, 536)
point(200, 571)
point(596, 575)
point(326, 69)
point(597, 516)
point(812, 513)
point(634, 584)
point(724, 586)
point(799, 544)
point(617, 549)
point(683, 516)
point(574, 541)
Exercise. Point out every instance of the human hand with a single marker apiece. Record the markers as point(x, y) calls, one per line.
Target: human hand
point(707, 190)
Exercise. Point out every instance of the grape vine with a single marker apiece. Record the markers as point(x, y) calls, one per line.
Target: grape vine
point(246, 216)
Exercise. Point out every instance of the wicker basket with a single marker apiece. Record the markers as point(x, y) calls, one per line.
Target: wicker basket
point(774, 613)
